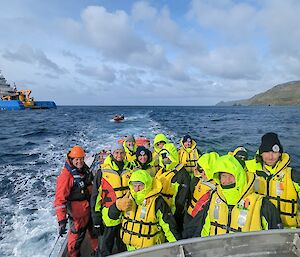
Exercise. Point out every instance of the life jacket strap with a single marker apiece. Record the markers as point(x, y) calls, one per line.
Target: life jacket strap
point(227, 228)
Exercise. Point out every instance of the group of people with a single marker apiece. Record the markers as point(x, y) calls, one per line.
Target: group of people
point(141, 197)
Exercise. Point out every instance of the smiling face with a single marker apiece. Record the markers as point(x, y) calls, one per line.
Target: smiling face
point(119, 155)
point(78, 162)
point(270, 158)
point(143, 158)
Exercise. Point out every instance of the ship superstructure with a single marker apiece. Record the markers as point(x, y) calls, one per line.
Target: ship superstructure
point(5, 88)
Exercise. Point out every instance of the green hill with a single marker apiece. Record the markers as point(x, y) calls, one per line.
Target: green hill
point(282, 94)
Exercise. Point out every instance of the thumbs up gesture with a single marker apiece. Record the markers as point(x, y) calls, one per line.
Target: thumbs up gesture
point(124, 203)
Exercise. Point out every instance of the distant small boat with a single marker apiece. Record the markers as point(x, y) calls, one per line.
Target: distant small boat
point(118, 117)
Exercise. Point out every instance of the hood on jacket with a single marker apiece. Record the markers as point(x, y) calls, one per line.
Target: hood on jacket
point(231, 165)
point(207, 162)
point(171, 152)
point(158, 138)
point(152, 186)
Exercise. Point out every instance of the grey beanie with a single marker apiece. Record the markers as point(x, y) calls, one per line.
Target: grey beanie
point(129, 138)
point(116, 146)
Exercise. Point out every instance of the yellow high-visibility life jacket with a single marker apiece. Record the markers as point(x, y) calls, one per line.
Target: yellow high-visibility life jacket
point(278, 187)
point(242, 217)
point(189, 157)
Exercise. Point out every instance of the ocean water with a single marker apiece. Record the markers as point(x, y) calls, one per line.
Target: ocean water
point(33, 147)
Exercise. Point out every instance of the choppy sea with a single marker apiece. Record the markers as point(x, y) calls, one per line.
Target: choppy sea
point(33, 147)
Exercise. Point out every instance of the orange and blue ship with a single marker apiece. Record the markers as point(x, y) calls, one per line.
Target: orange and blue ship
point(13, 99)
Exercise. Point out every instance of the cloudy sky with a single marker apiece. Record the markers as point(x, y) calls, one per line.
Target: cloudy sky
point(163, 52)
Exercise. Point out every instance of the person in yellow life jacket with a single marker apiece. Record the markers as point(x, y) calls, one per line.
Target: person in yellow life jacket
point(148, 220)
point(144, 160)
point(202, 187)
point(234, 206)
point(130, 148)
point(241, 154)
point(175, 181)
point(110, 184)
point(159, 141)
point(188, 154)
point(276, 179)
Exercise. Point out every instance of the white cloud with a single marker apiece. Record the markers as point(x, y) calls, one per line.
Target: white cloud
point(142, 11)
point(217, 50)
point(230, 63)
point(36, 56)
point(233, 20)
point(103, 72)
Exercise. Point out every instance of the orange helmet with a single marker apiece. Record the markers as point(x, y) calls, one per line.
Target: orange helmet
point(76, 152)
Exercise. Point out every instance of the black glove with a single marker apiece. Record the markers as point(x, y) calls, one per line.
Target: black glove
point(98, 227)
point(62, 227)
point(98, 230)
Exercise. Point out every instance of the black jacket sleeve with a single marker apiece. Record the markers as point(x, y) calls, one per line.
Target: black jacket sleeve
point(271, 214)
point(96, 215)
point(167, 216)
point(183, 179)
point(114, 212)
point(194, 226)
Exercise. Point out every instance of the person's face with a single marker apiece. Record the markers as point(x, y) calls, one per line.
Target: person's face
point(78, 162)
point(160, 144)
point(226, 179)
point(130, 144)
point(119, 155)
point(270, 158)
point(187, 144)
point(138, 187)
point(203, 175)
point(143, 158)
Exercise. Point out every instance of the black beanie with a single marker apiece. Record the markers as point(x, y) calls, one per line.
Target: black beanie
point(270, 143)
point(142, 150)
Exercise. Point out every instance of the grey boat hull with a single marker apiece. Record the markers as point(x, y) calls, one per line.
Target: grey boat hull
point(283, 243)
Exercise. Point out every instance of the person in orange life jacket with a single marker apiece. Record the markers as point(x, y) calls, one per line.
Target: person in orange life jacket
point(234, 206)
point(188, 154)
point(148, 220)
point(143, 160)
point(241, 154)
point(110, 184)
point(175, 181)
point(276, 179)
point(202, 187)
point(73, 188)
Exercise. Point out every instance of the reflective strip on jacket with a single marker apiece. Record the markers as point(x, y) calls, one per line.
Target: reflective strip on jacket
point(279, 189)
point(140, 226)
point(169, 189)
point(114, 185)
point(229, 219)
point(64, 202)
point(189, 157)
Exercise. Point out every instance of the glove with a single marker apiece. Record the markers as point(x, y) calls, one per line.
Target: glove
point(124, 203)
point(62, 227)
point(98, 227)
point(98, 230)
